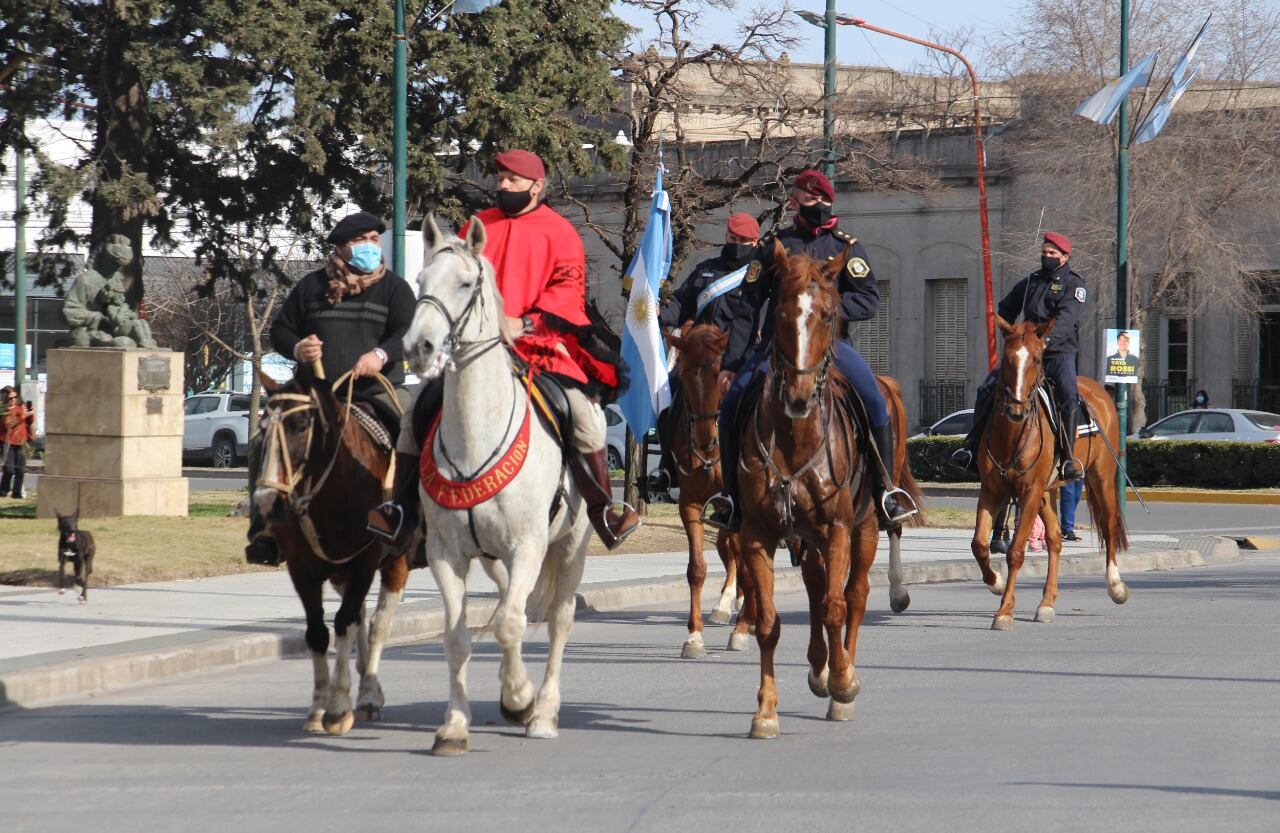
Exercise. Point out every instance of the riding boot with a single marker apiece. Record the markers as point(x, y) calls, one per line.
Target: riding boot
point(889, 510)
point(964, 459)
point(262, 548)
point(591, 476)
point(1071, 470)
point(721, 510)
point(664, 477)
point(396, 520)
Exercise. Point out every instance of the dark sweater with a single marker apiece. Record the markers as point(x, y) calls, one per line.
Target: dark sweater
point(378, 317)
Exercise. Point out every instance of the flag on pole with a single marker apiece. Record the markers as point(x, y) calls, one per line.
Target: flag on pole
point(642, 347)
point(1178, 84)
point(1102, 106)
point(472, 6)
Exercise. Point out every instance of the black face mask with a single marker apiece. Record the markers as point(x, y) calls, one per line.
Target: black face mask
point(736, 254)
point(1048, 264)
point(816, 215)
point(512, 203)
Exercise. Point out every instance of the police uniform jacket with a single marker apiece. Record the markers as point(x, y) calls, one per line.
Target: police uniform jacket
point(721, 312)
point(1059, 293)
point(859, 295)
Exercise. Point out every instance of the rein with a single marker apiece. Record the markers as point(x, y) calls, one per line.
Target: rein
point(454, 343)
point(1023, 440)
point(698, 452)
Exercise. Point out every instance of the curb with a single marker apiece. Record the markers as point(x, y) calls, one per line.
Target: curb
point(970, 490)
point(40, 685)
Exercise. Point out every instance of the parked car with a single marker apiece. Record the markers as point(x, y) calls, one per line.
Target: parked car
point(1224, 424)
point(956, 424)
point(616, 440)
point(216, 428)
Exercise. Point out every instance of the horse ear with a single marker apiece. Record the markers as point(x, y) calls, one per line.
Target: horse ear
point(432, 237)
point(779, 253)
point(1005, 326)
point(833, 268)
point(476, 236)
point(1042, 330)
point(268, 384)
point(677, 342)
point(720, 342)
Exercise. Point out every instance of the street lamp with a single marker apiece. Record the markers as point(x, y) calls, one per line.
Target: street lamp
point(828, 23)
point(847, 20)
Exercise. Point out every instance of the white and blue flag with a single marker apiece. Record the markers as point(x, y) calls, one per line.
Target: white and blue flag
point(1178, 84)
point(642, 348)
point(1103, 105)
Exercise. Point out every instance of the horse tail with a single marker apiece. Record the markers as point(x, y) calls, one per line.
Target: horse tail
point(1108, 518)
point(898, 417)
point(907, 483)
point(543, 594)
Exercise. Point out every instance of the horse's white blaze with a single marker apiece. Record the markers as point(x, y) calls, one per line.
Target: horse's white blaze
point(802, 328)
point(1023, 357)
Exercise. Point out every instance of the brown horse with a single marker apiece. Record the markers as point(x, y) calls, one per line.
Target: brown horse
point(321, 474)
point(696, 449)
point(805, 478)
point(1016, 462)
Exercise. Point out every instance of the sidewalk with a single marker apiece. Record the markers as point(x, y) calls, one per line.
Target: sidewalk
point(53, 648)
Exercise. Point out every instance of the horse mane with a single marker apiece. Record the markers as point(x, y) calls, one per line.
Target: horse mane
point(799, 271)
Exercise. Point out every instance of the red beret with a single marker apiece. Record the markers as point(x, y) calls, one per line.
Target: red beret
point(813, 182)
point(1058, 241)
point(744, 225)
point(522, 163)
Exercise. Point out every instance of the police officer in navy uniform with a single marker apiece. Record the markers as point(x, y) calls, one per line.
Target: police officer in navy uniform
point(1054, 291)
point(722, 303)
point(815, 232)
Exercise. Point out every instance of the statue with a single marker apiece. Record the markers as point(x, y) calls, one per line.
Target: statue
point(95, 308)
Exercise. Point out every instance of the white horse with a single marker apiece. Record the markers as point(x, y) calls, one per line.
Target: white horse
point(459, 330)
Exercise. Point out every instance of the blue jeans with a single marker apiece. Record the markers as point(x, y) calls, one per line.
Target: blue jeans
point(1067, 504)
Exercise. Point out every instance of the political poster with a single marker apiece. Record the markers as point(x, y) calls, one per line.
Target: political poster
point(1121, 348)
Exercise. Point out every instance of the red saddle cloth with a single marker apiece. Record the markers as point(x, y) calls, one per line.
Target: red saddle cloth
point(464, 494)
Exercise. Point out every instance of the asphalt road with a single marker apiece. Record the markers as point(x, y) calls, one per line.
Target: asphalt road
point(1160, 715)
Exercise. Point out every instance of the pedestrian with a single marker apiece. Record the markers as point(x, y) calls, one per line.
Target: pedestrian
point(16, 433)
point(1201, 399)
point(1067, 508)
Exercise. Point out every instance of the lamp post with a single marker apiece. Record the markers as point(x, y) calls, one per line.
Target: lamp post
point(1122, 251)
point(827, 22)
point(399, 142)
point(846, 20)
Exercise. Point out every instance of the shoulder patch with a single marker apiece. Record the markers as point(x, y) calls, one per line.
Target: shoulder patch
point(1081, 294)
point(858, 268)
point(753, 272)
point(845, 236)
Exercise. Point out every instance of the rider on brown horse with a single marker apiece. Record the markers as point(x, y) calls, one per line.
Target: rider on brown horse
point(540, 267)
point(1054, 291)
point(711, 294)
point(814, 233)
point(350, 315)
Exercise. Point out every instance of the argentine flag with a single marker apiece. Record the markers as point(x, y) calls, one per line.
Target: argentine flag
point(642, 347)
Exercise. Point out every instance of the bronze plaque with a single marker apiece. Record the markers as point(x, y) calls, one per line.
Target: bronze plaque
point(155, 405)
point(153, 373)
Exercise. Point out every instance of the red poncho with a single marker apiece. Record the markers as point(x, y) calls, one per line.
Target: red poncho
point(541, 270)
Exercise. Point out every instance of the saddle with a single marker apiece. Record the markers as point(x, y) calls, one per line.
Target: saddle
point(845, 398)
point(1084, 420)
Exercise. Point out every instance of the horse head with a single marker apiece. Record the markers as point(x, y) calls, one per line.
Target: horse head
point(808, 317)
point(698, 370)
point(298, 417)
point(1021, 364)
point(458, 300)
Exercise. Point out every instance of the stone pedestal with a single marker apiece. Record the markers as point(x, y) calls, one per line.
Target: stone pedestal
point(113, 433)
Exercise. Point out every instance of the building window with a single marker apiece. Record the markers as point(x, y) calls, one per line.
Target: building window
point(871, 338)
point(948, 335)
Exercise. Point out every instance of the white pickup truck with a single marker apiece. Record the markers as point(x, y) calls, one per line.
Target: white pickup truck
point(216, 428)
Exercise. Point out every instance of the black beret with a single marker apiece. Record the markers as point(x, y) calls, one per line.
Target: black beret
point(353, 225)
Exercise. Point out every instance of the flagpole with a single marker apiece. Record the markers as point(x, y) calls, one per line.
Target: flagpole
point(400, 142)
point(1122, 253)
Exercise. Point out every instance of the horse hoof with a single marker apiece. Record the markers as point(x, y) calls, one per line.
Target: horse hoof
point(339, 725)
point(314, 724)
point(1119, 593)
point(369, 712)
point(720, 617)
point(84, 600)
point(449, 747)
point(693, 650)
point(62, 591)
point(764, 728)
point(543, 728)
point(849, 694)
point(818, 684)
point(840, 711)
point(1045, 614)
point(514, 717)
point(1002, 623)
point(739, 641)
point(899, 603)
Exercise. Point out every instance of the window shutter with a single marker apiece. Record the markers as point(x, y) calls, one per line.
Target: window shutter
point(1244, 349)
point(1150, 347)
point(871, 338)
point(949, 328)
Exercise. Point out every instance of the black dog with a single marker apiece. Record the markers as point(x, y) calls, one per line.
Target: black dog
point(74, 545)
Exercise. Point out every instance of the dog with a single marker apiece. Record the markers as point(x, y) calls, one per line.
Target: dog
point(74, 545)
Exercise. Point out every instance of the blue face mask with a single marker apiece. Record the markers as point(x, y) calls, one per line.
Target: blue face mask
point(366, 256)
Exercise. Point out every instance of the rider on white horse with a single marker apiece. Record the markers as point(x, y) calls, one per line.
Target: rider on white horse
point(540, 268)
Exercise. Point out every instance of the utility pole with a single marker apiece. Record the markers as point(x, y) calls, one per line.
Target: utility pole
point(1122, 249)
point(829, 93)
point(400, 142)
point(20, 270)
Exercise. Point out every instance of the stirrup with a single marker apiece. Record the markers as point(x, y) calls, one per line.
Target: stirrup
point(954, 461)
point(902, 514)
point(615, 538)
point(712, 505)
point(384, 509)
point(1062, 470)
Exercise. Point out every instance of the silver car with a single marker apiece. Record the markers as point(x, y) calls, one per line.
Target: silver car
point(1224, 424)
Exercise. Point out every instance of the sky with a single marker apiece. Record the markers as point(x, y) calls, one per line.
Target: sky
point(855, 46)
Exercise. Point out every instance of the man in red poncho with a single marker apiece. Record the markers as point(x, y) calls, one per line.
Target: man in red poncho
point(540, 267)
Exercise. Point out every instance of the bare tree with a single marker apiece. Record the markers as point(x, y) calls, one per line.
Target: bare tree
point(1215, 165)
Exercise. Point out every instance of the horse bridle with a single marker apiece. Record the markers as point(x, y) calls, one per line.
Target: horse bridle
point(691, 418)
point(453, 341)
point(821, 367)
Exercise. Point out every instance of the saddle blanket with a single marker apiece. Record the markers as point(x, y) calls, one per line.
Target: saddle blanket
point(1086, 425)
point(465, 494)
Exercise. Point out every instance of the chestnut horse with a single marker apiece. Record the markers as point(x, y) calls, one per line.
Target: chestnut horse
point(321, 473)
point(696, 449)
point(1017, 462)
point(806, 478)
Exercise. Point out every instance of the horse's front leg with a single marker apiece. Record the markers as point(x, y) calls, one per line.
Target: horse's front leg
point(814, 573)
point(862, 554)
point(310, 590)
point(844, 683)
point(449, 570)
point(758, 557)
point(696, 574)
point(987, 507)
point(339, 716)
point(370, 700)
point(1053, 538)
point(1027, 510)
point(727, 604)
point(516, 698)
